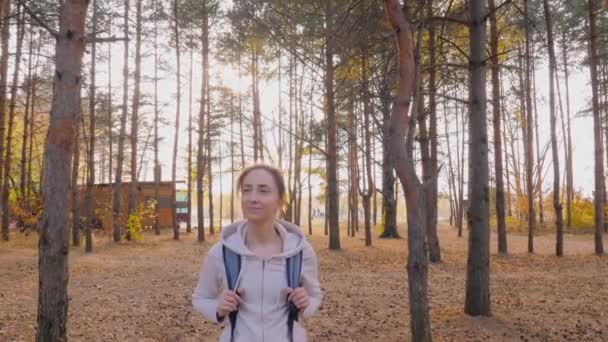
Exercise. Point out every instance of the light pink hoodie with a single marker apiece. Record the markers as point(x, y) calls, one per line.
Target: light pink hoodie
point(262, 317)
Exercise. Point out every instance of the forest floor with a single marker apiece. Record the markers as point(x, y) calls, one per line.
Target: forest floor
point(142, 292)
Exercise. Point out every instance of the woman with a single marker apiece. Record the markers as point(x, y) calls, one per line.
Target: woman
point(260, 304)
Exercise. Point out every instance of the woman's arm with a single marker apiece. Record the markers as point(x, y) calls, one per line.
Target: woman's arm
point(204, 298)
point(310, 280)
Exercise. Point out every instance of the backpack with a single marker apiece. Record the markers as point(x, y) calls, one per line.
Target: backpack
point(232, 265)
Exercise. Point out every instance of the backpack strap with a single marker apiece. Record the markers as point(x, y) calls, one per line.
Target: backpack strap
point(232, 266)
point(294, 270)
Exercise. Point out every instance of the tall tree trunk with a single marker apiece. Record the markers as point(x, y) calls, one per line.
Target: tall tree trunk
point(557, 206)
point(3, 83)
point(366, 194)
point(26, 120)
point(477, 298)
point(189, 163)
point(529, 137)
point(157, 167)
point(110, 112)
point(353, 167)
point(209, 156)
point(431, 143)
point(500, 192)
point(569, 173)
point(242, 142)
point(389, 207)
point(177, 114)
point(506, 156)
point(332, 160)
point(75, 208)
point(401, 124)
point(91, 165)
point(539, 161)
point(53, 247)
point(232, 165)
point(201, 125)
point(597, 127)
point(132, 207)
point(310, 127)
point(123, 129)
point(11, 120)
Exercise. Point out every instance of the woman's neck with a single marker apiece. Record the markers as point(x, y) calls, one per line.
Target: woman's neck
point(261, 233)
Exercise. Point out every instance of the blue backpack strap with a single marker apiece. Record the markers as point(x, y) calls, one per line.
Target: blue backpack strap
point(294, 270)
point(232, 266)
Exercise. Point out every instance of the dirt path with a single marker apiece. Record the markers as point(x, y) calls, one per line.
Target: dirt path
point(142, 292)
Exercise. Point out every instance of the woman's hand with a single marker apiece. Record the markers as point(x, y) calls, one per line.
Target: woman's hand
point(299, 297)
point(228, 301)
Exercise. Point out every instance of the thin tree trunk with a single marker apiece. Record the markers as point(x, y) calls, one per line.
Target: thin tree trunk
point(177, 114)
point(332, 147)
point(132, 204)
point(201, 125)
point(366, 194)
point(11, 120)
point(110, 110)
point(529, 138)
point(26, 120)
point(232, 165)
point(599, 153)
point(157, 167)
point(500, 196)
point(3, 84)
point(539, 162)
point(477, 298)
point(209, 156)
point(189, 163)
point(569, 173)
point(123, 128)
point(75, 208)
point(353, 168)
point(53, 247)
point(402, 122)
point(557, 206)
point(431, 143)
point(91, 166)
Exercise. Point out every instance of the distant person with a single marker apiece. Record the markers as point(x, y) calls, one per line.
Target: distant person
point(245, 276)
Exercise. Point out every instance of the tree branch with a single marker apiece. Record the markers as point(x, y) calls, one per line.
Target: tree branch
point(40, 22)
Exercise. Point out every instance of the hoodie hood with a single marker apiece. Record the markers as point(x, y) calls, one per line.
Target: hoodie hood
point(234, 235)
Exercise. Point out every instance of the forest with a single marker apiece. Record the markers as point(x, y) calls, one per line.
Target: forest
point(445, 158)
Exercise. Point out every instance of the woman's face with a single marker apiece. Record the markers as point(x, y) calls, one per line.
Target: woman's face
point(260, 200)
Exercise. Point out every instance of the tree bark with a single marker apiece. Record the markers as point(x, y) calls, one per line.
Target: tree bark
point(189, 163)
point(123, 128)
point(500, 192)
point(401, 122)
point(569, 173)
point(177, 114)
point(3, 84)
point(477, 297)
point(332, 160)
point(557, 206)
point(200, 167)
point(53, 247)
point(431, 142)
point(529, 139)
point(157, 167)
point(132, 208)
point(91, 164)
point(599, 197)
point(11, 120)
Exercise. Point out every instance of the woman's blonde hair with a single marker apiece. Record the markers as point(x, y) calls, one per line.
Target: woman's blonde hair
point(276, 174)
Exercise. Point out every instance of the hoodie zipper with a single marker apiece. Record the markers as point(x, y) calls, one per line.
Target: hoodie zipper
point(263, 269)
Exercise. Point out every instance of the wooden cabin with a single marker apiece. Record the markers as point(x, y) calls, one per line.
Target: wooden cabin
point(102, 202)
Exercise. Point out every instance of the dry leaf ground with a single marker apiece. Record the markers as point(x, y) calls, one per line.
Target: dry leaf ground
point(141, 292)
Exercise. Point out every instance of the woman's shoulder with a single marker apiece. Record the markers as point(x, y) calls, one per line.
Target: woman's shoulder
point(216, 250)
